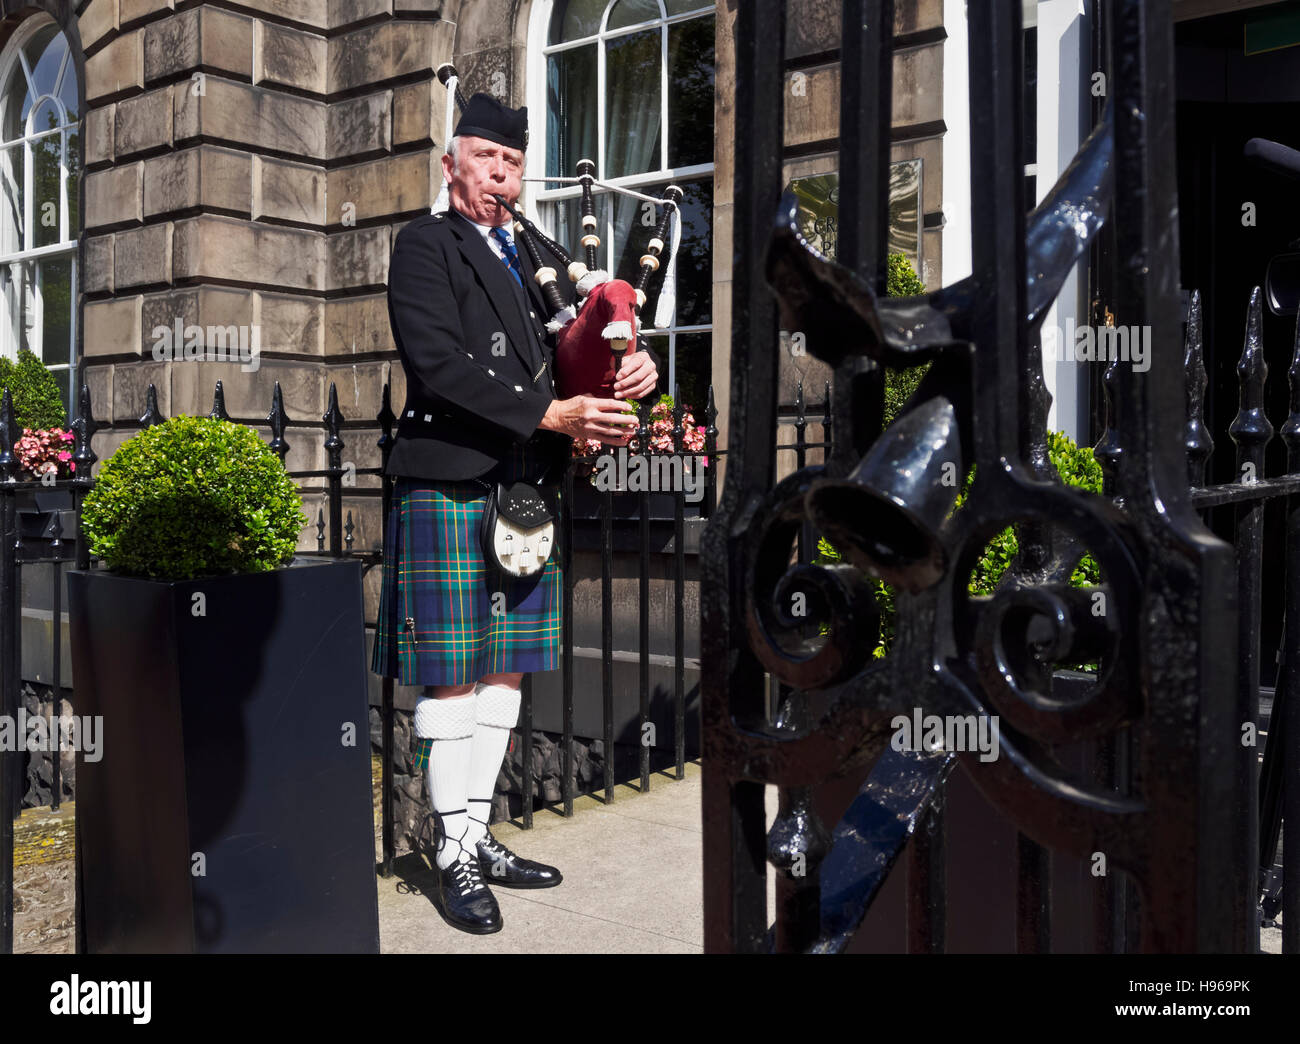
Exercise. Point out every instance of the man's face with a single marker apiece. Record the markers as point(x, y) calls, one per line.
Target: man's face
point(484, 169)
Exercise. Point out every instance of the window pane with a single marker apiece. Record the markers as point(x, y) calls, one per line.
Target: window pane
point(905, 210)
point(20, 317)
point(694, 262)
point(73, 136)
point(632, 69)
point(634, 223)
point(13, 180)
point(68, 91)
point(56, 297)
point(574, 19)
point(693, 355)
point(690, 92)
point(1029, 98)
point(17, 100)
point(818, 196)
point(568, 228)
point(633, 12)
point(819, 206)
point(682, 6)
point(64, 376)
point(571, 110)
point(44, 53)
point(45, 189)
point(46, 117)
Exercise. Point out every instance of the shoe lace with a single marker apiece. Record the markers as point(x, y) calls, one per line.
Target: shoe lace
point(466, 875)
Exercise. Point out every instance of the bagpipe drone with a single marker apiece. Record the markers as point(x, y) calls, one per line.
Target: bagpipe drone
point(593, 336)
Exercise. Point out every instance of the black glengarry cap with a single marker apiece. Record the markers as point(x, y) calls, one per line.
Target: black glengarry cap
point(485, 117)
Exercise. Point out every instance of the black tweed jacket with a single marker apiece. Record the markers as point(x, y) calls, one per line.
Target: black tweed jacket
point(475, 350)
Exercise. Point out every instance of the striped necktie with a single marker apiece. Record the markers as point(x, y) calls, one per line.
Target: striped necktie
point(510, 254)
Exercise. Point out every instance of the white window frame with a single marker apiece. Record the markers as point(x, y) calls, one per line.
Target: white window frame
point(1063, 85)
point(544, 199)
point(66, 248)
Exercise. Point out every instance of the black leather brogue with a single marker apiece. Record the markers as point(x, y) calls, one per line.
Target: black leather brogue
point(466, 901)
point(502, 867)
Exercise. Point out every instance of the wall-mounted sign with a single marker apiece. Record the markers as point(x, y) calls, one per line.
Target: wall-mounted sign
point(819, 205)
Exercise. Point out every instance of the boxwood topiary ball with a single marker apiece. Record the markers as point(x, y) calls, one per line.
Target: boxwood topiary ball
point(193, 497)
point(37, 400)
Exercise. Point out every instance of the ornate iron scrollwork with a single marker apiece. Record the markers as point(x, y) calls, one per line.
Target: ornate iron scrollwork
point(907, 511)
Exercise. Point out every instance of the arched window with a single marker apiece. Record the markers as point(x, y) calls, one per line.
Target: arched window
point(39, 131)
point(629, 85)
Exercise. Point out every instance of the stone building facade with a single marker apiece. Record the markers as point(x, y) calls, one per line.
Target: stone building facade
point(812, 116)
point(248, 165)
point(244, 169)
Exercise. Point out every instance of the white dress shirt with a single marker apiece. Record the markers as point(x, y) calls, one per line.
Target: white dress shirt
point(486, 232)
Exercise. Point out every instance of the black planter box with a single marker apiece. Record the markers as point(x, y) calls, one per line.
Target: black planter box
point(222, 751)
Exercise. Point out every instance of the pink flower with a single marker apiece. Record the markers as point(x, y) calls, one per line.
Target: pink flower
point(42, 452)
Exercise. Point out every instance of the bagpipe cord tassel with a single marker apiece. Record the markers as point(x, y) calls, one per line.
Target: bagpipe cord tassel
point(443, 202)
point(666, 307)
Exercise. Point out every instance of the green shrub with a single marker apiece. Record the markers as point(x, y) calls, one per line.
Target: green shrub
point(38, 402)
point(901, 281)
point(193, 497)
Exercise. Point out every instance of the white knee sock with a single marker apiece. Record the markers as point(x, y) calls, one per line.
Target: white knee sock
point(495, 715)
point(450, 724)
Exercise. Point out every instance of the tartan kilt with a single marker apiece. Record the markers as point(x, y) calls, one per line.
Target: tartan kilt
point(435, 624)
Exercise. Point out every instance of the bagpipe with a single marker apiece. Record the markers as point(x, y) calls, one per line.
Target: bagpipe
point(595, 334)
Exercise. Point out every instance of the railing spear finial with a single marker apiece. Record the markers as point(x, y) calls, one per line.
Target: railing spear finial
point(1196, 435)
point(1251, 429)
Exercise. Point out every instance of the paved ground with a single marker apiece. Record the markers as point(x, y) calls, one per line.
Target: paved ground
point(632, 882)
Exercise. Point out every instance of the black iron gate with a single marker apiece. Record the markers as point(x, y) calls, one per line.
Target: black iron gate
point(1166, 814)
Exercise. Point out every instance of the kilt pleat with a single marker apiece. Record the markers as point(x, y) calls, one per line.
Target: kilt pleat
point(436, 622)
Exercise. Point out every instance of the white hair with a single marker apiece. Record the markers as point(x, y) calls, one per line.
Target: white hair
point(453, 150)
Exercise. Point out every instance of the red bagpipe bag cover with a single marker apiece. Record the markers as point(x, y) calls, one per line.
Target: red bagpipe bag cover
point(584, 360)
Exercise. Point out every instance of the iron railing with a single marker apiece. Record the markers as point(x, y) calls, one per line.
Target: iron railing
point(335, 537)
point(1166, 803)
point(1249, 498)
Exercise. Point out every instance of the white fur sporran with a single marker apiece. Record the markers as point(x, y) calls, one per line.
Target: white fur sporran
point(518, 530)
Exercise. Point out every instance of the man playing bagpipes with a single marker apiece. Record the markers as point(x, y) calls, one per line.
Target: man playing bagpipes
point(469, 321)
